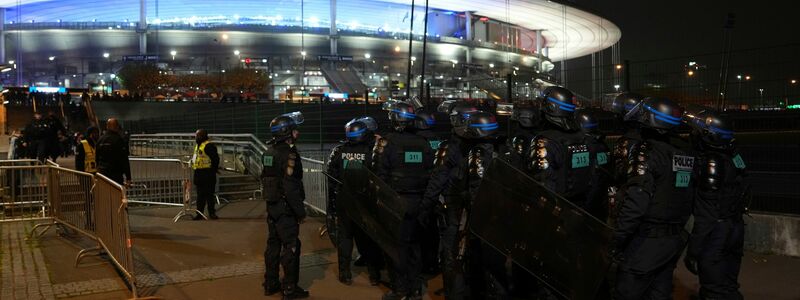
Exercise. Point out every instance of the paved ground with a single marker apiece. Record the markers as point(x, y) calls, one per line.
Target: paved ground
point(223, 259)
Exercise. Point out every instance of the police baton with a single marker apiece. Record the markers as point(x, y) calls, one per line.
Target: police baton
point(332, 178)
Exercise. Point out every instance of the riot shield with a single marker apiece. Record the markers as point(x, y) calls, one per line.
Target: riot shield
point(545, 234)
point(373, 206)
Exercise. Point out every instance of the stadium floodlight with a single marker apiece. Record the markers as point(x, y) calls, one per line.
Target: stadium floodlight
point(236, 52)
point(51, 58)
point(367, 56)
point(106, 55)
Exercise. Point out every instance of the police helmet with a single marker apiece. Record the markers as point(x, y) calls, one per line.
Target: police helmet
point(424, 120)
point(401, 114)
point(457, 110)
point(558, 102)
point(710, 128)
point(624, 103)
point(526, 115)
point(658, 113)
point(358, 130)
point(478, 125)
point(372, 125)
point(558, 106)
point(283, 125)
point(588, 121)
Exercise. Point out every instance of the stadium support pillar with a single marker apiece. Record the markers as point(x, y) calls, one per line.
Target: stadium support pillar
point(142, 29)
point(539, 44)
point(469, 37)
point(334, 34)
point(3, 35)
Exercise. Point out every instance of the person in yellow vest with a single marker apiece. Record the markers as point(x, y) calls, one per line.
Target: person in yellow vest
point(205, 163)
point(85, 156)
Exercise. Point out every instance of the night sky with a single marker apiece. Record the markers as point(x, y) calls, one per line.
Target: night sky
point(684, 30)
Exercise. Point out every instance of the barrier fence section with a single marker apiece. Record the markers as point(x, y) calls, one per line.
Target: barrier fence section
point(240, 153)
point(23, 191)
point(161, 182)
point(113, 230)
point(91, 205)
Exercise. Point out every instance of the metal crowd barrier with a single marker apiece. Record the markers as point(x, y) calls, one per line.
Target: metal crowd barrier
point(91, 205)
point(240, 153)
point(316, 184)
point(23, 191)
point(161, 182)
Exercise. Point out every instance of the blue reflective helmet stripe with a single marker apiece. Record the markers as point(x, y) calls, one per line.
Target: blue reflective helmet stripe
point(404, 115)
point(590, 125)
point(663, 117)
point(726, 134)
point(562, 105)
point(356, 133)
point(430, 122)
point(487, 126)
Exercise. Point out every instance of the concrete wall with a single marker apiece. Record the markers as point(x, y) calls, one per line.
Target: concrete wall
point(773, 234)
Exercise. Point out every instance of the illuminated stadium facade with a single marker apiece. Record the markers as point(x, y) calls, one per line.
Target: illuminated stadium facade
point(77, 43)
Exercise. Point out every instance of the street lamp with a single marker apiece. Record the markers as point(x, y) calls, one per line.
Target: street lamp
point(236, 52)
point(173, 53)
point(616, 87)
point(51, 58)
point(367, 56)
point(106, 55)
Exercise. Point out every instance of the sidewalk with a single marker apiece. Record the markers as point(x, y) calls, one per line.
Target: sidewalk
point(223, 259)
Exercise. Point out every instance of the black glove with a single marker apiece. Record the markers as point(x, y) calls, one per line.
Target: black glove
point(691, 264)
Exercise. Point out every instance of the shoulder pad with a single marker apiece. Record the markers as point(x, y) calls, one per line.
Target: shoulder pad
point(538, 153)
point(441, 154)
point(637, 159)
point(710, 172)
point(475, 161)
point(335, 152)
point(518, 144)
point(290, 164)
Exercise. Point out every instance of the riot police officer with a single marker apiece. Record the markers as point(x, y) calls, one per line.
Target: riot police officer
point(353, 152)
point(424, 126)
point(650, 235)
point(403, 160)
point(282, 180)
point(597, 198)
point(715, 248)
point(526, 120)
point(448, 165)
point(560, 157)
point(621, 107)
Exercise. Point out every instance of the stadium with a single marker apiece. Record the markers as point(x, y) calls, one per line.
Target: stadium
point(308, 47)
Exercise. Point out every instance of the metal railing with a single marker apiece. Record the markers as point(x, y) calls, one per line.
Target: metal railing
point(161, 182)
point(240, 153)
point(91, 205)
point(23, 191)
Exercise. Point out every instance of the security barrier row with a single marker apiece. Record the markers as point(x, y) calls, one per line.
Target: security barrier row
point(240, 153)
point(91, 205)
point(161, 182)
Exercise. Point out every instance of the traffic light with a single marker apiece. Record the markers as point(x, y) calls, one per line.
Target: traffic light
point(247, 60)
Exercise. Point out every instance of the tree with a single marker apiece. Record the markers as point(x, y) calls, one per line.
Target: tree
point(141, 77)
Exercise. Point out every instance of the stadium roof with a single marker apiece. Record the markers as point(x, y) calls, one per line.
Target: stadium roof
point(570, 32)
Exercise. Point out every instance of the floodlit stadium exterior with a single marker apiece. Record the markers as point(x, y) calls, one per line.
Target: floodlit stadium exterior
point(71, 42)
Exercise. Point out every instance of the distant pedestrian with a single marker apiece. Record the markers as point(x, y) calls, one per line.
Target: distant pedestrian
point(205, 163)
point(112, 154)
point(36, 134)
point(85, 154)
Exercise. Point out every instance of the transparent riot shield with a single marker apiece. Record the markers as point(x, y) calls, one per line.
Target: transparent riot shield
point(545, 234)
point(373, 206)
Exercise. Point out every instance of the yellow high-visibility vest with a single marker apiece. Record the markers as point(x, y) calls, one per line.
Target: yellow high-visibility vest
point(89, 158)
point(200, 160)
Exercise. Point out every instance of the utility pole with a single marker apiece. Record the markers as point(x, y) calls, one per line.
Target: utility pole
point(424, 55)
point(410, 45)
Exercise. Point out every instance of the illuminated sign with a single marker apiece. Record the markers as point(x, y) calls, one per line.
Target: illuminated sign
point(47, 89)
point(793, 106)
point(337, 95)
point(334, 58)
point(140, 58)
